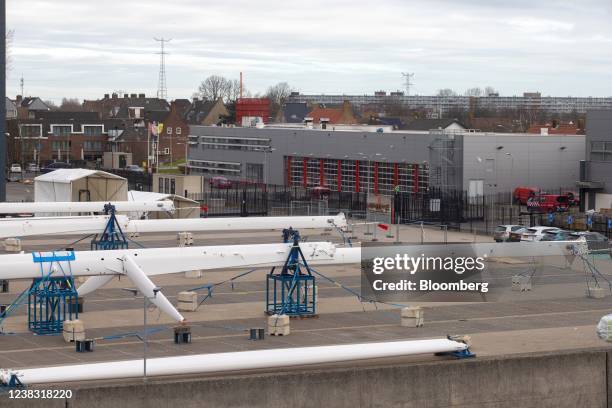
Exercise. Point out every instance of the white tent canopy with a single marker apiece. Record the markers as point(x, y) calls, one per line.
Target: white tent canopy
point(185, 207)
point(79, 185)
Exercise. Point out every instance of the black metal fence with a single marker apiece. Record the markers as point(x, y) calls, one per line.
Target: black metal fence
point(140, 181)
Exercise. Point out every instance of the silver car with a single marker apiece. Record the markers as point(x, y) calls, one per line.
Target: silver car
point(502, 232)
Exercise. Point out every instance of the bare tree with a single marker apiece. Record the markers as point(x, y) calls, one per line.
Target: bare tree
point(213, 87)
point(50, 104)
point(446, 92)
point(473, 92)
point(277, 94)
point(490, 91)
point(233, 91)
point(71, 104)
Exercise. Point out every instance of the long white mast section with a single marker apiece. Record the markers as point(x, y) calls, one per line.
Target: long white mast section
point(23, 227)
point(158, 261)
point(71, 207)
point(234, 361)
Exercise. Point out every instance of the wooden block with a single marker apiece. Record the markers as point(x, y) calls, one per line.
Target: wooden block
point(12, 245)
point(596, 293)
point(412, 311)
point(279, 325)
point(193, 274)
point(73, 330)
point(187, 301)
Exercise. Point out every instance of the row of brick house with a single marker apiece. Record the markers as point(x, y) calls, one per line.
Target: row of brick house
point(111, 124)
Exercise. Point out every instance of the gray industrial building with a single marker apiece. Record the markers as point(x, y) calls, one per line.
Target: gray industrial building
point(596, 171)
point(442, 105)
point(378, 159)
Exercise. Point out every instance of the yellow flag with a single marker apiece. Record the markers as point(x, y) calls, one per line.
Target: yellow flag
point(160, 128)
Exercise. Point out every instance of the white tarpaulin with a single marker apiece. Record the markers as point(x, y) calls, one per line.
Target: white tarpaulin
point(79, 185)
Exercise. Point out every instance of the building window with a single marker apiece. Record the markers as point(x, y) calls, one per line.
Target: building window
point(206, 166)
point(166, 185)
point(161, 185)
point(179, 130)
point(92, 130)
point(166, 150)
point(31, 130)
point(92, 145)
point(169, 130)
point(255, 172)
point(172, 186)
point(61, 130)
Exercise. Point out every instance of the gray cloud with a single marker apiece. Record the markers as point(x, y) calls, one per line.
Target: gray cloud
point(87, 48)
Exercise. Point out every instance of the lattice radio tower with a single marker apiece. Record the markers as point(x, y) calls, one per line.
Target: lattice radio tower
point(407, 77)
point(162, 91)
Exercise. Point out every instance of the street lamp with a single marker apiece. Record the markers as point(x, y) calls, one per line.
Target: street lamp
point(144, 338)
point(511, 174)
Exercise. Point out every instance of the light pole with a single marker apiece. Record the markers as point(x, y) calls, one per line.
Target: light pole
point(511, 174)
point(144, 337)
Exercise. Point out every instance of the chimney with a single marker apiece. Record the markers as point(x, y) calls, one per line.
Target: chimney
point(141, 95)
point(125, 95)
point(106, 96)
point(195, 99)
point(132, 95)
point(18, 99)
point(115, 95)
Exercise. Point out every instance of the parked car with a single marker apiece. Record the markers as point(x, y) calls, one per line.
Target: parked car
point(502, 233)
point(319, 192)
point(55, 166)
point(548, 203)
point(596, 242)
point(536, 233)
point(134, 168)
point(15, 168)
point(558, 235)
point(522, 194)
point(33, 168)
point(220, 182)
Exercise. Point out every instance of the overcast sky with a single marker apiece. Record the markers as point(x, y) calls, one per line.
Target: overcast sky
point(90, 47)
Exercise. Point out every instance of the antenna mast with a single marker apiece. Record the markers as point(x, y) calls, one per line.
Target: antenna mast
point(407, 77)
point(162, 91)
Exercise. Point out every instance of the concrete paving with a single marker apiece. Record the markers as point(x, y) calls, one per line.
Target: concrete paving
point(555, 315)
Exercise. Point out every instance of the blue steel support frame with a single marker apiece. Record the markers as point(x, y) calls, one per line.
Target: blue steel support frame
point(112, 237)
point(50, 297)
point(292, 291)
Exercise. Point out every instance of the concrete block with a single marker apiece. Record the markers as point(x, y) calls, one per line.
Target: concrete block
point(412, 316)
point(596, 293)
point(279, 325)
point(187, 301)
point(193, 274)
point(73, 330)
point(12, 245)
point(521, 283)
point(185, 239)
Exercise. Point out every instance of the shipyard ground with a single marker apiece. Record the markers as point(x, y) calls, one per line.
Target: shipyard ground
point(534, 348)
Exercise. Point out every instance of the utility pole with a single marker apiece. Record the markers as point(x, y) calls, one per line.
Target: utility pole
point(3, 102)
point(407, 77)
point(21, 85)
point(162, 91)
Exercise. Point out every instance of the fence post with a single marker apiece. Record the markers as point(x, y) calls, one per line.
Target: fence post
point(422, 232)
point(397, 228)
